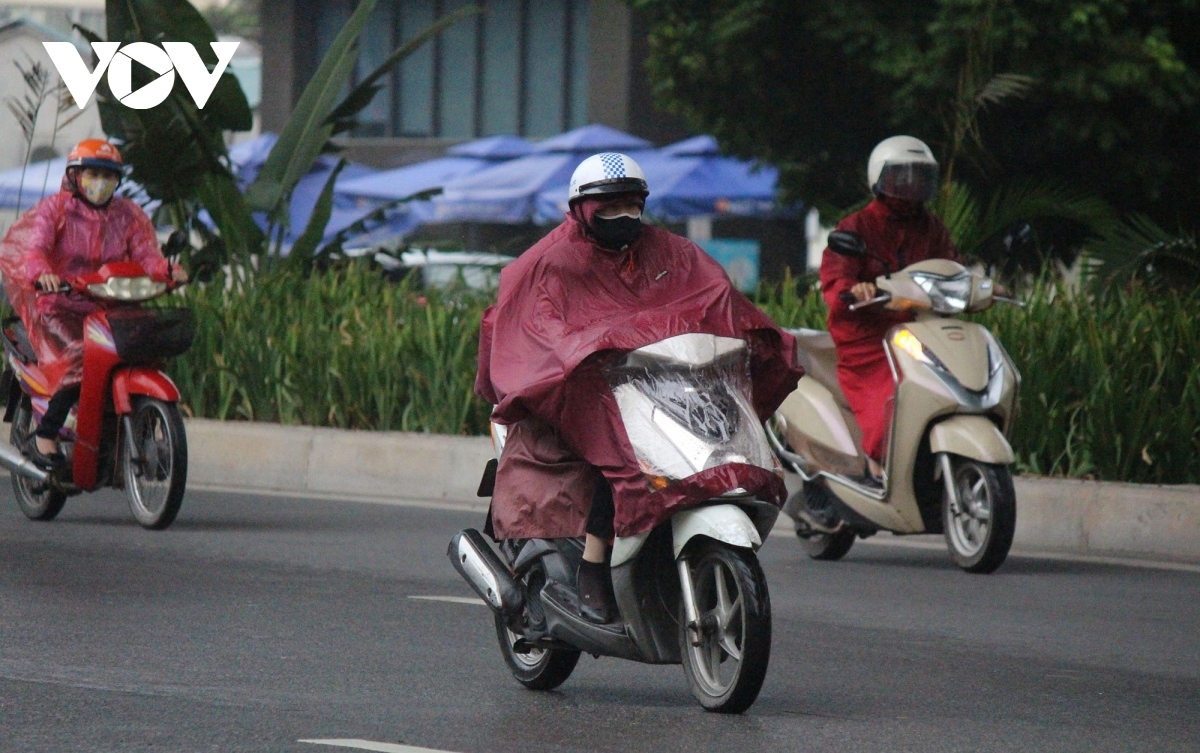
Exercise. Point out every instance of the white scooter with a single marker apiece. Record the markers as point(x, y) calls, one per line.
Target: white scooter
point(689, 591)
point(947, 464)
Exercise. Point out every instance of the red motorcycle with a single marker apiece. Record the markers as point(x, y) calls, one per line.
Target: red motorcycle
point(126, 430)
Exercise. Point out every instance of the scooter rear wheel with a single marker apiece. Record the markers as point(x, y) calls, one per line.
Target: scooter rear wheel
point(37, 501)
point(156, 478)
point(539, 668)
point(726, 662)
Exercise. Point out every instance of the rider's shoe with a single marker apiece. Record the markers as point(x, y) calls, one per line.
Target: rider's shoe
point(596, 600)
point(46, 461)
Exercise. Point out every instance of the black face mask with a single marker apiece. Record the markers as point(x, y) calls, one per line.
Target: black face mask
point(617, 232)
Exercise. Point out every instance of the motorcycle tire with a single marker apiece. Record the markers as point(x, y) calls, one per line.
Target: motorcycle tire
point(37, 501)
point(828, 547)
point(980, 531)
point(726, 670)
point(155, 480)
point(538, 669)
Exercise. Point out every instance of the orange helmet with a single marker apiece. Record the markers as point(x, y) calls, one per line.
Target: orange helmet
point(95, 153)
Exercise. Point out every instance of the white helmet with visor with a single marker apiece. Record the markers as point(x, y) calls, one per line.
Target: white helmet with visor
point(607, 173)
point(903, 167)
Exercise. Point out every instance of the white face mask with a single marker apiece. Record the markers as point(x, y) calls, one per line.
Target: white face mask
point(98, 189)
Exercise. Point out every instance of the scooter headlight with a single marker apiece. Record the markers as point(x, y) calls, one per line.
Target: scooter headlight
point(947, 295)
point(128, 288)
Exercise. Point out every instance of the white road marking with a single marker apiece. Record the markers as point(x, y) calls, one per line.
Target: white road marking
point(785, 531)
point(451, 599)
point(370, 745)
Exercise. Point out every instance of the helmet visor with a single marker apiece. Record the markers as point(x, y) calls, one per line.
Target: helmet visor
point(912, 181)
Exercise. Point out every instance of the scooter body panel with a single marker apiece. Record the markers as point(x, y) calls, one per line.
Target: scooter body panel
point(725, 523)
point(974, 437)
point(99, 359)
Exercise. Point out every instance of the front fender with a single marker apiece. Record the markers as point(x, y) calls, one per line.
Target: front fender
point(971, 436)
point(725, 523)
point(141, 380)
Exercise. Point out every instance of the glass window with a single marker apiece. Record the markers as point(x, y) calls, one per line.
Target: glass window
point(545, 67)
point(579, 64)
point(416, 72)
point(375, 46)
point(501, 68)
point(457, 68)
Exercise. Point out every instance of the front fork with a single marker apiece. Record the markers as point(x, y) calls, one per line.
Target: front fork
point(948, 481)
point(691, 613)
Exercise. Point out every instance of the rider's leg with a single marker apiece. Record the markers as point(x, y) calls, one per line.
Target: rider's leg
point(594, 580)
point(52, 422)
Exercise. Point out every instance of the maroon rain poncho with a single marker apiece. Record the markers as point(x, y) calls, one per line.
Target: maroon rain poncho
point(66, 236)
point(564, 309)
point(863, 372)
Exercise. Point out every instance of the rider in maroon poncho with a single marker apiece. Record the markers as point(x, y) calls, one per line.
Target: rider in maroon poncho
point(599, 284)
point(898, 230)
point(74, 232)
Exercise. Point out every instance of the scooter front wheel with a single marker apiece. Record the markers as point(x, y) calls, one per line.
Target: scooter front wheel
point(982, 518)
point(725, 655)
point(156, 468)
point(36, 500)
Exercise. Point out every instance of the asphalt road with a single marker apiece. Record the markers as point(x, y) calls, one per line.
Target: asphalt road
point(257, 622)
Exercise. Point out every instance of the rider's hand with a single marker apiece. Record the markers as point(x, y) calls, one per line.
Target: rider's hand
point(179, 274)
point(863, 291)
point(49, 281)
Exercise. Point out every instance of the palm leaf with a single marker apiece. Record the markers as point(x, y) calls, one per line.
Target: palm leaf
point(305, 246)
point(307, 131)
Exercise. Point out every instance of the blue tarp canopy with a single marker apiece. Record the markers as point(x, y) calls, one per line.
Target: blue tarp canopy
point(507, 193)
point(461, 160)
point(248, 159)
point(36, 175)
point(689, 179)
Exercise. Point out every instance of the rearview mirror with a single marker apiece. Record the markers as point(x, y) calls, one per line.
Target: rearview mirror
point(847, 243)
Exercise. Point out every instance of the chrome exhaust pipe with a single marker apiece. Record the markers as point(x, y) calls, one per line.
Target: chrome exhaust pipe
point(17, 463)
point(484, 572)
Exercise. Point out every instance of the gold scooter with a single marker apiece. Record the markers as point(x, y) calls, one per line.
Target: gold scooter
point(947, 464)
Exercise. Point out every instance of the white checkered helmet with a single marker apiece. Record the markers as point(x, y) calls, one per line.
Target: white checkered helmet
point(607, 173)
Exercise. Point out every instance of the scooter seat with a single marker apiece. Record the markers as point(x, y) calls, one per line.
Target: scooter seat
point(817, 355)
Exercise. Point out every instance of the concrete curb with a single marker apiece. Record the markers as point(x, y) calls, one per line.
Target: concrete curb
point(1054, 515)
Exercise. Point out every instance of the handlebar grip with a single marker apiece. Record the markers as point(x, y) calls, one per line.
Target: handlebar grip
point(846, 297)
point(884, 298)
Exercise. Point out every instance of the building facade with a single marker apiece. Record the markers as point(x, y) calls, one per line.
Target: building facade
point(532, 68)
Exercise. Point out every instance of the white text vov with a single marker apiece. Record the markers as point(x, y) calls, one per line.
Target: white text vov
point(165, 61)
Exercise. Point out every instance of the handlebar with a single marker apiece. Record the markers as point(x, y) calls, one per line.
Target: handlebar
point(881, 298)
point(1009, 300)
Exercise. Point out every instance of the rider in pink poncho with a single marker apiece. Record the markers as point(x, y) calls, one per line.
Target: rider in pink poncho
point(72, 233)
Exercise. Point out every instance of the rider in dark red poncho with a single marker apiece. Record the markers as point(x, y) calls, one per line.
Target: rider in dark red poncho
point(898, 231)
point(603, 283)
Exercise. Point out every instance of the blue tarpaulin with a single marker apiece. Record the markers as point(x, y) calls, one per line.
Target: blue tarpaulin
point(508, 192)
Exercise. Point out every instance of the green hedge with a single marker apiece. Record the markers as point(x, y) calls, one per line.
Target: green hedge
point(1110, 389)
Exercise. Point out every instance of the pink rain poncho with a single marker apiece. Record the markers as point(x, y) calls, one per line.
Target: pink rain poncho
point(66, 236)
point(564, 308)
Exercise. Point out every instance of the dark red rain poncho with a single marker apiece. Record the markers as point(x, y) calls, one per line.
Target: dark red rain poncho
point(863, 371)
point(66, 236)
point(564, 308)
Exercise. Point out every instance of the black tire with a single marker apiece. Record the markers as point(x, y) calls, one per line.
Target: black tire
point(980, 532)
point(828, 547)
point(726, 671)
point(540, 669)
point(156, 481)
point(37, 501)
